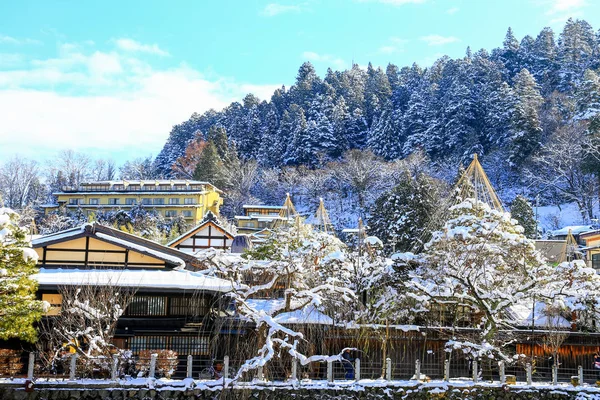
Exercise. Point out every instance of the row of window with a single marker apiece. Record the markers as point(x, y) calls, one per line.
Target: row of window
point(133, 201)
point(194, 345)
point(148, 187)
point(162, 306)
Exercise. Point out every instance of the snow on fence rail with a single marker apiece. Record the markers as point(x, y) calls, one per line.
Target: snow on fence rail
point(24, 366)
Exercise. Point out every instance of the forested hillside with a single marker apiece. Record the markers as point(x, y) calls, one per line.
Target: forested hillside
point(502, 104)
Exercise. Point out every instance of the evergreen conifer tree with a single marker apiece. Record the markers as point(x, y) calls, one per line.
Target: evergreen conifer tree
point(521, 210)
point(210, 166)
point(527, 131)
point(19, 309)
point(402, 217)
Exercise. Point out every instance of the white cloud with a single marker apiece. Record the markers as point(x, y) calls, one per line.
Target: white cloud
point(16, 41)
point(325, 59)
point(274, 9)
point(137, 47)
point(438, 40)
point(394, 45)
point(560, 11)
point(452, 11)
point(394, 2)
point(562, 6)
point(106, 103)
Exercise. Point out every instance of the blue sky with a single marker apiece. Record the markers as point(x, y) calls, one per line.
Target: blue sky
point(112, 77)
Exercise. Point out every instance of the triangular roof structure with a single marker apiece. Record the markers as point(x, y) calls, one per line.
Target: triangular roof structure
point(171, 257)
point(475, 183)
point(321, 219)
point(287, 213)
point(570, 251)
point(209, 219)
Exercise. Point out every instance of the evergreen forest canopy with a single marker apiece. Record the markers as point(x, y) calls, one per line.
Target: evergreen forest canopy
point(504, 105)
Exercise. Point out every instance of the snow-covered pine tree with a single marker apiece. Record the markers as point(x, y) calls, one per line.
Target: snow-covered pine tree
point(509, 54)
point(576, 47)
point(19, 309)
point(521, 210)
point(272, 147)
point(545, 65)
point(473, 270)
point(527, 131)
point(587, 97)
point(210, 166)
point(401, 218)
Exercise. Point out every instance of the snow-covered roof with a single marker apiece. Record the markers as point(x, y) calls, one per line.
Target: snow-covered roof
point(172, 279)
point(197, 228)
point(118, 237)
point(575, 230)
point(262, 206)
point(306, 315)
point(522, 314)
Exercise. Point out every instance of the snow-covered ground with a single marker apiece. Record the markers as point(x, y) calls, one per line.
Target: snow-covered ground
point(559, 216)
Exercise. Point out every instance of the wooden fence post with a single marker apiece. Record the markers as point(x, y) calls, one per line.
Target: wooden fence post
point(73, 366)
point(225, 368)
point(475, 372)
point(418, 370)
point(152, 372)
point(580, 374)
point(261, 374)
point(502, 372)
point(189, 367)
point(294, 369)
point(388, 369)
point(329, 371)
point(554, 374)
point(528, 370)
point(446, 370)
point(114, 367)
point(30, 366)
point(357, 369)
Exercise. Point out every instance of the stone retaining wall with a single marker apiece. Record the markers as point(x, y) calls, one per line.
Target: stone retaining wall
point(9, 392)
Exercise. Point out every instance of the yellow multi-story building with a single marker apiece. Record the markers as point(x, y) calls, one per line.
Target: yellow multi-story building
point(170, 198)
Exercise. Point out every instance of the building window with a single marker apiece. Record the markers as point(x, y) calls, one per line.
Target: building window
point(179, 187)
point(130, 201)
point(94, 202)
point(134, 187)
point(170, 213)
point(194, 345)
point(150, 187)
point(192, 306)
point(119, 187)
point(164, 187)
point(114, 201)
point(596, 261)
point(146, 201)
point(187, 213)
point(147, 305)
point(74, 202)
point(189, 200)
point(174, 201)
point(159, 201)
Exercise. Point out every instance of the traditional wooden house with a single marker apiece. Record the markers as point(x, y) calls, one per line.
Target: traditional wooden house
point(209, 233)
point(591, 240)
point(174, 306)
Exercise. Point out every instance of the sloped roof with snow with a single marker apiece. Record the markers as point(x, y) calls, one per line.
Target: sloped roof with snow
point(306, 315)
point(147, 279)
point(198, 228)
point(525, 315)
point(575, 230)
point(171, 256)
